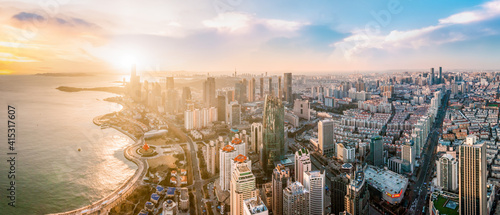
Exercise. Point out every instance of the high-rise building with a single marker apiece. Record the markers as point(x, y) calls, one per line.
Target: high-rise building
point(209, 92)
point(270, 86)
point(302, 164)
point(221, 108)
point(376, 156)
point(440, 75)
point(288, 88)
point(472, 177)
point(281, 179)
point(226, 154)
point(325, 138)
point(280, 91)
point(432, 78)
point(356, 199)
point(255, 206)
point(295, 200)
point(447, 173)
point(274, 133)
point(256, 137)
point(186, 96)
point(242, 187)
point(210, 157)
point(233, 113)
point(240, 91)
point(262, 88)
point(301, 108)
point(314, 182)
point(251, 90)
point(170, 83)
point(408, 156)
point(338, 191)
point(135, 85)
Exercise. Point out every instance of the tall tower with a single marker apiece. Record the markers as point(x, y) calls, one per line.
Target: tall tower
point(356, 199)
point(170, 83)
point(432, 79)
point(226, 154)
point(325, 136)
point(280, 91)
point(251, 90)
point(376, 156)
point(314, 182)
point(274, 133)
point(447, 173)
point(472, 177)
point(262, 88)
point(256, 137)
point(270, 87)
point(134, 85)
point(295, 200)
point(302, 164)
point(242, 187)
point(408, 155)
point(288, 88)
point(221, 108)
point(440, 75)
point(338, 189)
point(281, 179)
point(209, 92)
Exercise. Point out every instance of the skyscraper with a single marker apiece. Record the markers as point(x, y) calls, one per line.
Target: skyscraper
point(256, 137)
point(472, 177)
point(242, 187)
point(432, 78)
point(274, 133)
point(440, 75)
point(170, 83)
point(281, 179)
point(314, 182)
point(262, 88)
point(221, 108)
point(186, 96)
point(295, 200)
point(447, 173)
point(338, 190)
point(288, 88)
point(251, 90)
point(209, 92)
point(408, 156)
point(226, 154)
point(356, 199)
point(280, 90)
point(376, 156)
point(270, 86)
point(240, 91)
point(302, 164)
point(135, 85)
point(325, 136)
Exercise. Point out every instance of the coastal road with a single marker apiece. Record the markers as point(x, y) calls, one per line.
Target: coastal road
point(428, 159)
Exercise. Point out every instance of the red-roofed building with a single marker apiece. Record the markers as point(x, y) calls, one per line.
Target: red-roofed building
point(145, 147)
point(240, 158)
point(228, 148)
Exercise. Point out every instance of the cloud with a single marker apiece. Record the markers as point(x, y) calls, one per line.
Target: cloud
point(9, 57)
point(237, 22)
point(451, 29)
point(24, 16)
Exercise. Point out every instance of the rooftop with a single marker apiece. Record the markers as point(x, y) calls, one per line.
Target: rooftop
point(446, 205)
point(240, 158)
point(228, 148)
point(236, 141)
point(255, 205)
point(385, 180)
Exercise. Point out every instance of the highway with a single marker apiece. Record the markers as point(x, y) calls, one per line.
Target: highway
point(197, 182)
point(428, 164)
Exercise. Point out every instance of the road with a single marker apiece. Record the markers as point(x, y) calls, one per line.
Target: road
point(429, 157)
point(197, 182)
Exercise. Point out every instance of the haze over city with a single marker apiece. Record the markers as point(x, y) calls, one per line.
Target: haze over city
point(251, 36)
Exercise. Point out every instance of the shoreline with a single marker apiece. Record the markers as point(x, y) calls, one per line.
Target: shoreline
point(105, 204)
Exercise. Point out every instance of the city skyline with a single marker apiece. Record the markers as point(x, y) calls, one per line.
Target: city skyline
point(217, 36)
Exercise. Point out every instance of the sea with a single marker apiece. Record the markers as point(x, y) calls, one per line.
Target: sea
point(51, 173)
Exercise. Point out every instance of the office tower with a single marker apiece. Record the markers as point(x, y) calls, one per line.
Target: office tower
point(242, 187)
point(314, 182)
point(302, 164)
point(408, 156)
point(281, 179)
point(472, 177)
point(135, 85)
point(256, 137)
point(189, 119)
point(251, 90)
point(288, 88)
point(262, 88)
point(270, 86)
point(221, 108)
point(240, 91)
point(211, 157)
point(226, 154)
point(440, 75)
point(356, 199)
point(376, 156)
point(233, 113)
point(301, 108)
point(280, 91)
point(432, 79)
point(274, 133)
point(325, 138)
point(254, 206)
point(172, 101)
point(170, 83)
point(209, 92)
point(338, 191)
point(447, 173)
point(295, 200)
point(186, 96)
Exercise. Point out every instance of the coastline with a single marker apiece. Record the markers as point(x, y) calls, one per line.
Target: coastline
point(105, 204)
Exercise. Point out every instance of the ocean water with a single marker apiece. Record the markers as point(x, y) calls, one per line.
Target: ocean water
point(51, 125)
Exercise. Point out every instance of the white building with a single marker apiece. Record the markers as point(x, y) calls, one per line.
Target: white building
point(447, 173)
point(256, 137)
point(301, 108)
point(242, 188)
point(295, 200)
point(302, 164)
point(314, 182)
point(226, 154)
point(255, 206)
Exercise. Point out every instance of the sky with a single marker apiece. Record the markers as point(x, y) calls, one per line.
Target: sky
point(254, 36)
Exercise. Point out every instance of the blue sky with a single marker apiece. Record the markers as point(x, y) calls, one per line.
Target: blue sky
point(252, 36)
